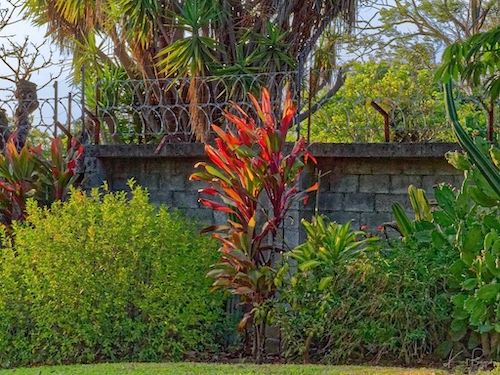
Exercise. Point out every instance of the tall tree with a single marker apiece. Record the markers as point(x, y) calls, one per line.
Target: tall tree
point(420, 26)
point(152, 40)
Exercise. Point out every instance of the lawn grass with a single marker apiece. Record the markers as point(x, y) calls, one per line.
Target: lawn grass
point(216, 369)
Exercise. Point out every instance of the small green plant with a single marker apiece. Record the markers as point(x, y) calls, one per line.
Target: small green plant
point(106, 278)
point(465, 221)
point(350, 298)
point(256, 183)
point(329, 248)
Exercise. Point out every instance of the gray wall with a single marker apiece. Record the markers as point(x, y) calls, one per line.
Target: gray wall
point(359, 183)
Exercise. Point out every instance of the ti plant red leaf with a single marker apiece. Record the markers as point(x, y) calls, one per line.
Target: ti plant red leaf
point(249, 166)
point(28, 174)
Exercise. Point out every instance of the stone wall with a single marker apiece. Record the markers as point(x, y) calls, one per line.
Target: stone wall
point(359, 181)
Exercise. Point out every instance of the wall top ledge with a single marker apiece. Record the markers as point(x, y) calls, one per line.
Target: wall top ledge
point(319, 150)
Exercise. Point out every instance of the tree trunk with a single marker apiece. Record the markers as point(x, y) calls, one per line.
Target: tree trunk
point(27, 103)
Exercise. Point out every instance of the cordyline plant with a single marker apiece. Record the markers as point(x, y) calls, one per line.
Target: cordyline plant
point(28, 174)
point(256, 184)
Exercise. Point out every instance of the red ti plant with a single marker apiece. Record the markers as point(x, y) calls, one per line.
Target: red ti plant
point(63, 166)
point(256, 182)
point(28, 174)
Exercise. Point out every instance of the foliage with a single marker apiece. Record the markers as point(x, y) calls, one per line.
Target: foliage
point(477, 306)
point(465, 222)
point(410, 97)
point(417, 30)
point(105, 278)
point(328, 248)
point(476, 60)
point(27, 173)
point(387, 302)
point(256, 181)
point(160, 42)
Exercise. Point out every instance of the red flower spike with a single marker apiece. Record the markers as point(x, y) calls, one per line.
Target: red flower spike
point(288, 113)
point(266, 108)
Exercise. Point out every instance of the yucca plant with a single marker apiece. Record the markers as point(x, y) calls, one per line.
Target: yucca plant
point(256, 183)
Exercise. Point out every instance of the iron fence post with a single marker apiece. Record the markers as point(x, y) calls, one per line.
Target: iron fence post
point(299, 90)
point(84, 130)
point(56, 109)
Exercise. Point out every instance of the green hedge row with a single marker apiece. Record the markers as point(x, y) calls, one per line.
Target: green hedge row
point(103, 278)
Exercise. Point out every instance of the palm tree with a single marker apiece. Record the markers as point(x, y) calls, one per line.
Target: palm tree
point(165, 42)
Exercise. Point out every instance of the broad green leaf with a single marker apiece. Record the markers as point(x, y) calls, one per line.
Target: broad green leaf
point(481, 198)
point(469, 284)
point(488, 292)
point(459, 325)
point(325, 281)
point(478, 314)
point(472, 240)
point(458, 160)
point(446, 199)
point(309, 264)
point(456, 269)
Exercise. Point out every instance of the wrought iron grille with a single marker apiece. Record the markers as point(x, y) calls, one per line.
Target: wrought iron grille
point(183, 110)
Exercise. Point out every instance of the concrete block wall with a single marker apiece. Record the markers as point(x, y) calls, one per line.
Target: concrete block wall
point(166, 176)
point(358, 183)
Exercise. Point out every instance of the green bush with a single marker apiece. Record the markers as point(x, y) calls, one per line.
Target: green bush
point(388, 302)
point(106, 278)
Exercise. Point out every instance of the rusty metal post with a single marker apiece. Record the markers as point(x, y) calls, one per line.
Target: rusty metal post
point(299, 89)
point(380, 110)
point(68, 126)
point(97, 129)
point(84, 130)
point(491, 119)
point(309, 104)
point(56, 105)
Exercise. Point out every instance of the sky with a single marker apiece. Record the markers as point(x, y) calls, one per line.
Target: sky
point(17, 32)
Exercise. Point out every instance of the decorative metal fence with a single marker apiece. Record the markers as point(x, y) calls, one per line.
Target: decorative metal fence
point(182, 110)
point(54, 116)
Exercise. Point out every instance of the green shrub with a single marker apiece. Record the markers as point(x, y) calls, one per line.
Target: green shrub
point(106, 278)
point(388, 302)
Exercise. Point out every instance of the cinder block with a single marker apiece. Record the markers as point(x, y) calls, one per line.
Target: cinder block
point(344, 184)
point(358, 202)
point(183, 199)
point(174, 182)
point(400, 183)
point(387, 166)
point(330, 201)
point(430, 182)
point(164, 196)
point(204, 215)
point(458, 180)
point(374, 183)
point(383, 202)
point(219, 217)
point(419, 167)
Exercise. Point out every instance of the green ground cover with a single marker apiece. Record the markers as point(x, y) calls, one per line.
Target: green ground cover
point(216, 369)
